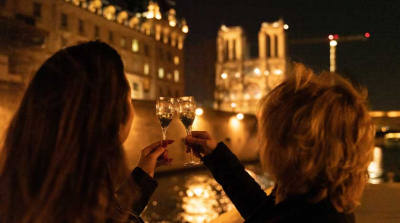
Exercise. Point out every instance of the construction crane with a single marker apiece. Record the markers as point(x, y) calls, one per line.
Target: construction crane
point(333, 42)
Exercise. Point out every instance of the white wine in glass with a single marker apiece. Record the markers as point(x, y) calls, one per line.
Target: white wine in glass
point(186, 108)
point(165, 112)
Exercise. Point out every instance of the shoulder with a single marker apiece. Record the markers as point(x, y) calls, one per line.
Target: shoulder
point(300, 211)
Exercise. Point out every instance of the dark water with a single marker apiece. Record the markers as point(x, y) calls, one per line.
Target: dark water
point(194, 196)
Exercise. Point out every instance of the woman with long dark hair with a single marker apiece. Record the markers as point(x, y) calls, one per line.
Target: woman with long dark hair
point(62, 158)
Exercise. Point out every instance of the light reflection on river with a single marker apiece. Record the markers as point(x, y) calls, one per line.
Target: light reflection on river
point(375, 167)
point(194, 196)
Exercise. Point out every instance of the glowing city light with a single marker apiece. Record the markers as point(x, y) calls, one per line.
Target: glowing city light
point(275, 24)
point(185, 29)
point(240, 116)
point(224, 75)
point(257, 71)
point(367, 35)
point(286, 26)
point(332, 55)
point(224, 28)
point(237, 75)
point(172, 23)
point(375, 167)
point(278, 72)
point(199, 111)
point(377, 113)
point(392, 136)
point(233, 105)
point(336, 36)
point(383, 129)
point(330, 37)
point(266, 73)
point(393, 114)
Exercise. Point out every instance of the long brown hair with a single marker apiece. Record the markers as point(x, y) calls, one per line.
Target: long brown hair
point(62, 158)
point(317, 138)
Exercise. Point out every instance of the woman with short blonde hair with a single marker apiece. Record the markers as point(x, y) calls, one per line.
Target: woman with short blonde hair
point(316, 139)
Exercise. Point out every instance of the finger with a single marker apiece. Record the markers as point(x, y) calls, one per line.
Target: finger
point(157, 152)
point(193, 140)
point(199, 134)
point(165, 143)
point(150, 148)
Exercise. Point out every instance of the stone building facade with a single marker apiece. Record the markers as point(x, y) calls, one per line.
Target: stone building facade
point(240, 80)
point(150, 43)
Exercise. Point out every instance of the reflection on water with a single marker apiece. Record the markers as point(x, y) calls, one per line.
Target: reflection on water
point(205, 200)
point(193, 197)
point(375, 167)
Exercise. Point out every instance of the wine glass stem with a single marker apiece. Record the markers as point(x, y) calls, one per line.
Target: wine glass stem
point(189, 132)
point(164, 134)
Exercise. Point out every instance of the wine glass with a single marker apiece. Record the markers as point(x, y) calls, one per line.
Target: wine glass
point(186, 109)
point(165, 112)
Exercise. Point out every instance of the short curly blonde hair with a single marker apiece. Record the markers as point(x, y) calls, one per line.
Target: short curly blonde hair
point(317, 138)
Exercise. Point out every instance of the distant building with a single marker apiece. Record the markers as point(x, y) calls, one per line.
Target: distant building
point(240, 80)
point(150, 43)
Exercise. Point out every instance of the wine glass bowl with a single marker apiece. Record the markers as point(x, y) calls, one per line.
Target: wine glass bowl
point(165, 108)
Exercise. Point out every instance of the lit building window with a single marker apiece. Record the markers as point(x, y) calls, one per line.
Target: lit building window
point(180, 43)
point(158, 32)
point(146, 85)
point(135, 45)
point(123, 42)
point(81, 27)
point(97, 32)
point(173, 39)
point(146, 69)
point(135, 86)
point(176, 75)
point(64, 20)
point(111, 37)
point(165, 38)
point(146, 50)
point(37, 9)
point(176, 60)
point(161, 73)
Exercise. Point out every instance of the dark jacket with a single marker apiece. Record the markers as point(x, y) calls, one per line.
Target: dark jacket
point(142, 186)
point(255, 205)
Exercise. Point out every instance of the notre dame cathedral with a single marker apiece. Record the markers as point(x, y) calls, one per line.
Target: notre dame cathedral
point(240, 80)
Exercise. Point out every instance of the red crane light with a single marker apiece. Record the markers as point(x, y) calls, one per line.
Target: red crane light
point(367, 35)
point(336, 36)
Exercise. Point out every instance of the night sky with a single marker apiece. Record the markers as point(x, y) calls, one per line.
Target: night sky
point(374, 64)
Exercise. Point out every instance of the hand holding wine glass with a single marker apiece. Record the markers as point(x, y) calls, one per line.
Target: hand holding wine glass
point(201, 143)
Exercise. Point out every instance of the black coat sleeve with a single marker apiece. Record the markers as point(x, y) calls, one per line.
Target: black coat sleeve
point(244, 192)
point(140, 186)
